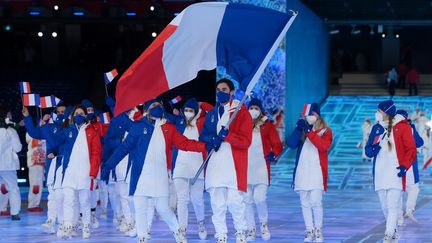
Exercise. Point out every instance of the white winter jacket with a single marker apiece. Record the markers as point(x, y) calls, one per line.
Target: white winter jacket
point(10, 145)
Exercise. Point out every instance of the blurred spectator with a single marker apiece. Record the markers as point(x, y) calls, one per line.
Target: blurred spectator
point(402, 72)
point(413, 79)
point(391, 80)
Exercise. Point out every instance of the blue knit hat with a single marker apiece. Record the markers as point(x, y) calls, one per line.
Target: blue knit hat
point(86, 103)
point(256, 102)
point(192, 103)
point(402, 113)
point(147, 105)
point(388, 107)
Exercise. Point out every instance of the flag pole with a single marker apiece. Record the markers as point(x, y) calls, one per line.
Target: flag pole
point(106, 90)
point(251, 85)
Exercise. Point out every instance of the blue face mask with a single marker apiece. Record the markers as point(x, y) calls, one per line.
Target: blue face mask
point(78, 119)
point(60, 119)
point(222, 97)
point(156, 112)
point(90, 116)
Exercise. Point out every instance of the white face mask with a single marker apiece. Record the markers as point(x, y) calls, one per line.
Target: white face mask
point(188, 114)
point(254, 113)
point(378, 117)
point(311, 120)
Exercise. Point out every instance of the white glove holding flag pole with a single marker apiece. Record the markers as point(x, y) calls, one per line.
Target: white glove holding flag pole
point(251, 85)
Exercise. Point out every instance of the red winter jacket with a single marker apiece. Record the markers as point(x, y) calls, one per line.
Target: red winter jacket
point(405, 146)
point(271, 142)
point(323, 144)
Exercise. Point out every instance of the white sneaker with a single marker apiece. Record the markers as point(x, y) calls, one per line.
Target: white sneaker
point(251, 235)
point(387, 238)
point(265, 232)
point(310, 236)
point(319, 235)
point(222, 239)
point(67, 232)
point(143, 240)
point(179, 237)
point(74, 231)
point(123, 226)
point(117, 222)
point(202, 231)
point(48, 226)
point(131, 230)
point(410, 214)
point(86, 232)
point(240, 237)
point(395, 237)
point(94, 221)
point(61, 231)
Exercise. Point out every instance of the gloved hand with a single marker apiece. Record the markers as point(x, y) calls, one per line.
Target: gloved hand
point(376, 147)
point(105, 173)
point(223, 133)
point(209, 146)
point(216, 143)
point(307, 128)
point(271, 157)
point(300, 124)
point(110, 102)
point(402, 171)
point(378, 130)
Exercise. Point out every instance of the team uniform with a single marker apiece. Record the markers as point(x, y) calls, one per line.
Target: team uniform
point(149, 144)
point(391, 154)
point(36, 155)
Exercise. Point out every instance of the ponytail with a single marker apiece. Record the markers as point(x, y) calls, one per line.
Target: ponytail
point(389, 130)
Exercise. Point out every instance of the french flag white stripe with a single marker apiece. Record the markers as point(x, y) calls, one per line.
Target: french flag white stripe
point(191, 38)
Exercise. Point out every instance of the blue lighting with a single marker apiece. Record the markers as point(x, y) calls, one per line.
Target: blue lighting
point(78, 13)
point(175, 14)
point(34, 13)
point(22, 180)
point(131, 14)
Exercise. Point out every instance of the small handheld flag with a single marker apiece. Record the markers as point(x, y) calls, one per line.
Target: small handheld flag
point(56, 100)
point(306, 110)
point(25, 87)
point(105, 118)
point(176, 100)
point(31, 99)
point(110, 76)
point(46, 102)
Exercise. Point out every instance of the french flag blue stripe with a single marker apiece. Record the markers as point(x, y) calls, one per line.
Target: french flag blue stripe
point(238, 48)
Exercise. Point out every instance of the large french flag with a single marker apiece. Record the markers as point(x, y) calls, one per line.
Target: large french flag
point(240, 37)
point(31, 100)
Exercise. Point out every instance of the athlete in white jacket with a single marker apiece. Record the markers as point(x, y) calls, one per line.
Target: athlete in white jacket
point(10, 145)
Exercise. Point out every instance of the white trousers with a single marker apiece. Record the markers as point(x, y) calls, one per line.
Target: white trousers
point(11, 181)
point(412, 192)
point(114, 200)
point(390, 205)
point(4, 200)
point(221, 199)
point(94, 195)
point(312, 208)
point(142, 205)
point(172, 195)
point(69, 201)
point(51, 204)
point(58, 193)
point(122, 188)
point(256, 194)
point(186, 192)
point(36, 177)
point(103, 195)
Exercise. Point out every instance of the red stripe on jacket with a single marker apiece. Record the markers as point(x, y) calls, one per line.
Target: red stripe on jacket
point(271, 142)
point(240, 138)
point(94, 148)
point(323, 144)
point(405, 146)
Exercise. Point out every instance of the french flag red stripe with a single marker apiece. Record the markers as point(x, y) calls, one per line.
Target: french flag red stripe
point(148, 75)
point(306, 109)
